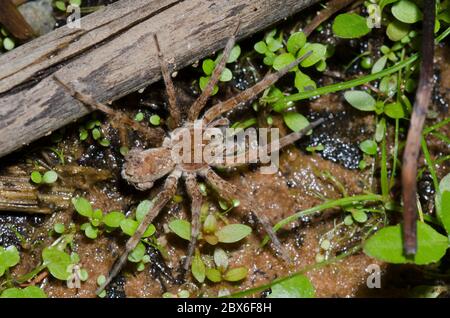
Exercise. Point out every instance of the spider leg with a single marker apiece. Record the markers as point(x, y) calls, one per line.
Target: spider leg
point(230, 192)
point(169, 190)
point(170, 88)
point(196, 199)
point(198, 105)
point(251, 92)
point(253, 156)
point(155, 135)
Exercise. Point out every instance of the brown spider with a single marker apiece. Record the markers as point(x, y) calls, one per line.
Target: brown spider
point(143, 167)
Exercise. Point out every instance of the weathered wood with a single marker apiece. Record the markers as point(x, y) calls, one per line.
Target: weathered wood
point(113, 54)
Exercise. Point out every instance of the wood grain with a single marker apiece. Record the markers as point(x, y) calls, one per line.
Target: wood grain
point(113, 54)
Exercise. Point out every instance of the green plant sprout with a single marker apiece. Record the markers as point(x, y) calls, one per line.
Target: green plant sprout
point(92, 129)
point(100, 222)
point(208, 66)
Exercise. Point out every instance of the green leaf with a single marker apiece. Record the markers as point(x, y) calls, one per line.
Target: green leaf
point(198, 268)
point(303, 82)
point(139, 117)
point(368, 147)
point(295, 287)
point(379, 65)
point(360, 100)
point(113, 219)
point(96, 134)
point(75, 2)
point(182, 228)
point(130, 226)
point(8, 44)
point(397, 30)
point(60, 5)
point(137, 254)
point(235, 274)
point(208, 66)
point(319, 52)
point(50, 177)
point(36, 177)
point(226, 75)
point(91, 232)
point(9, 257)
point(283, 60)
point(380, 130)
point(82, 206)
point(213, 275)
point(57, 262)
point(406, 11)
point(221, 259)
point(261, 47)
point(444, 210)
point(210, 224)
point(387, 245)
point(394, 110)
point(203, 81)
point(59, 228)
point(295, 121)
point(295, 42)
point(441, 201)
point(233, 233)
point(388, 85)
point(359, 216)
point(234, 54)
point(273, 45)
point(28, 292)
point(142, 209)
point(155, 120)
point(350, 26)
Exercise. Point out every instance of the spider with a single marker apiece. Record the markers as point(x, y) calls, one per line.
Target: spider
point(143, 167)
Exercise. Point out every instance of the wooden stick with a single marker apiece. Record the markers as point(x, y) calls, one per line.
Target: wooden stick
point(332, 7)
point(113, 54)
point(412, 148)
point(14, 22)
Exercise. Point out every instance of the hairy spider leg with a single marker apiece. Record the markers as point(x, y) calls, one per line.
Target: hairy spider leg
point(169, 190)
point(200, 103)
point(155, 135)
point(230, 192)
point(249, 93)
point(174, 110)
point(196, 204)
point(252, 156)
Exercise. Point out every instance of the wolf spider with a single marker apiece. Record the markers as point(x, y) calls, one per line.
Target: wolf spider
point(143, 167)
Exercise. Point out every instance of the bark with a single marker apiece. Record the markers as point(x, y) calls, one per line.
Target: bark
point(114, 54)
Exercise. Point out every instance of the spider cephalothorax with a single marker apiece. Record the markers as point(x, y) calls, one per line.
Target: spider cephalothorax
point(143, 167)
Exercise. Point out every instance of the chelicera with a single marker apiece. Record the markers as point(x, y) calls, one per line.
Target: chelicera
point(143, 167)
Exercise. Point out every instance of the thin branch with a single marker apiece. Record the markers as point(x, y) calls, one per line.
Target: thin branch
point(332, 7)
point(411, 154)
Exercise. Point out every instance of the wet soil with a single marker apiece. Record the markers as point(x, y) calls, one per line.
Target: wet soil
point(299, 184)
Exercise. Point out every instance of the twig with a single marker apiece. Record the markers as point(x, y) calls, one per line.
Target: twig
point(411, 154)
point(14, 22)
point(332, 7)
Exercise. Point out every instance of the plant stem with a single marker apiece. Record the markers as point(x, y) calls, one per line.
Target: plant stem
point(394, 160)
point(442, 137)
point(412, 148)
point(352, 83)
point(362, 80)
point(430, 164)
point(436, 126)
point(327, 205)
point(384, 174)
